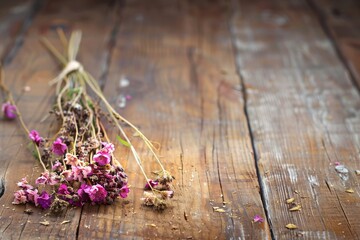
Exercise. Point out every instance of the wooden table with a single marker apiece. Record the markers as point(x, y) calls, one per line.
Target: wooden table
point(252, 102)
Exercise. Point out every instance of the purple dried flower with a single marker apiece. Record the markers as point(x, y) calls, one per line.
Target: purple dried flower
point(102, 158)
point(19, 197)
point(35, 137)
point(84, 197)
point(63, 189)
point(97, 193)
point(124, 191)
point(258, 218)
point(151, 183)
point(44, 200)
point(9, 110)
point(68, 175)
point(59, 147)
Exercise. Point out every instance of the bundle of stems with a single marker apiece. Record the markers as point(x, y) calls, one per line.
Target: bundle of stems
point(79, 161)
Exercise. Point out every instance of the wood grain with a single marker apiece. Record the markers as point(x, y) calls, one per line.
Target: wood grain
point(186, 96)
point(34, 67)
point(303, 112)
point(14, 16)
point(341, 19)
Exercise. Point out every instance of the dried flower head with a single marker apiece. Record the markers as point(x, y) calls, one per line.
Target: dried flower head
point(9, 110)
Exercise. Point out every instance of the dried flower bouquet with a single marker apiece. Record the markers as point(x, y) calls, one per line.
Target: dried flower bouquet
point(79, 164)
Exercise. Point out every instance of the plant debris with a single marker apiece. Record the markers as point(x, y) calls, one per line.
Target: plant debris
point(291, 226)
point(341, 169)
point(350, 190)
point(45, 223)
point(290, 200)
point(220, 210)
point(65, 222)
point(296, 208)
point(357, 172)
point(28, 211)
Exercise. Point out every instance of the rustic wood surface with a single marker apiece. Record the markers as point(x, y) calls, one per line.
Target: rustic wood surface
point(252, 103)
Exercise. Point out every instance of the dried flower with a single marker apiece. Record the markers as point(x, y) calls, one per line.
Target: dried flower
point(9, 110)
point(151, 183)
point(57, 167)
point(97, 193)
point(19, 197)
point(124, 191)
point(258, 218)
point(71, 159)
point(35, 137)
point(44, 200)
point(59, 147)
point(102, 158)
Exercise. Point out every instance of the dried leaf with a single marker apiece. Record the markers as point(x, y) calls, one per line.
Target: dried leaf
point(291, 226)
point(296, 208)
point(45, 223)
point(350, 190)
point(65, 221)
point(290, 200)
point(220, 210)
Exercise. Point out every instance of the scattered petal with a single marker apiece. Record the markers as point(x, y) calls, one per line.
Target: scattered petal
point(290, 200)
point(65, 222)
point(357, 172)
point(296, 208)
point(337, 163)
point(151, 225)
point(291, 226)
point(124, 82)
point(258, 218)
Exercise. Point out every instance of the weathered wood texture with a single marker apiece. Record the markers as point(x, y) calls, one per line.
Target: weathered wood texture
point(34, 67)
point(342, 21)
point(304, 117)
point(14, 16)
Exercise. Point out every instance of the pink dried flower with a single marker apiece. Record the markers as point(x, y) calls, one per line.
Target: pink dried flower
point(107, 147)
point(102, 158)
point(337, 163)
point(59, 147)
point(9, 110)
point(47, 178)
point(151, 183)
point(32, 195)
point(57, 166)
point(19, 197)
point(258, 218)
point(24, 184)
point(71, 159)
point(97, 193)
point(35, 137)
point(168, 193)
point(84, 197)
point(44, 200)
point(68, 175)
point(124, 191)
point(81, 172)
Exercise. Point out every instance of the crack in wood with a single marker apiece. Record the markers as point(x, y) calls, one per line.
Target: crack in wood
point(243, 90)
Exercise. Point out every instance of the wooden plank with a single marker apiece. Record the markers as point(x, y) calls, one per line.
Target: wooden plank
point(14, 18)
point(34, 67)
point(341, 19)
point(304, 117)
point(178, 58)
